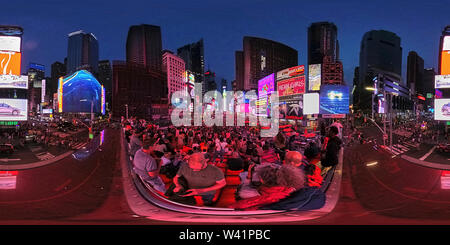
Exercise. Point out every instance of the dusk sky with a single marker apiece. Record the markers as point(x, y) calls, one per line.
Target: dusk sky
point(223, 24)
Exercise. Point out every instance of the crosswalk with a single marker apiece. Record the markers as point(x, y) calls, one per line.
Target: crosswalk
point(45, 156)
point(79, 145)
point(398, 149)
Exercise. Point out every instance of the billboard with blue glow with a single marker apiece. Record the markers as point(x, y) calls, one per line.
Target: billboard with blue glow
point(79, 92)
point(334, 99)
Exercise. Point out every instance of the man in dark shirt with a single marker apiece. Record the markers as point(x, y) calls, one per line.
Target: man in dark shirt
point(331, 156)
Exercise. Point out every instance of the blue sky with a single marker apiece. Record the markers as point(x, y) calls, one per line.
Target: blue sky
point(223, 24)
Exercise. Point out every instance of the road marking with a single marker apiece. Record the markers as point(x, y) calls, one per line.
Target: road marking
point(402, 147)
point(409, 144)
point(45, 156)
point(394, 151)
point(428, 153)
point(9, 159)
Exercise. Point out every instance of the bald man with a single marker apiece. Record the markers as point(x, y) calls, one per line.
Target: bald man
point(202, 179)
point(293, 158)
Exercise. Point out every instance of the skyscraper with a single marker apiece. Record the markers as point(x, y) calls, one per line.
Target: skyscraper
point(380, 52)
point(144, 46)
point(105, 79)
point(322, 41)
point(263, 57)
point(414, 73)
point(194, 58)
point(174, 67)
point(239, 69)
point(82, 52)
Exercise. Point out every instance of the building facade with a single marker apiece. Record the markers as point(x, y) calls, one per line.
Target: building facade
point(194, 58)
point(138, 91)
point(82, 52)
point(322, 41)
point(262, 57)
point(380, 52)
point(174, 67)
point(144, 46)
point(415, 73)
point(105, 79)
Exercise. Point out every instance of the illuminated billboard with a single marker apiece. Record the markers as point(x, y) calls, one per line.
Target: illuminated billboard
point(103, 103)
point(291, 107)
point(12, 81)
point(311, 103)
point(10, 63)
point(291, 72)
point(442, 81)
point(13, 109)
point(315, 77)
point(291, 86)
point(334, 99)
point(445, 62)
point(442, 109)
point(266, 85)
point(10, 43)
point(80, 92)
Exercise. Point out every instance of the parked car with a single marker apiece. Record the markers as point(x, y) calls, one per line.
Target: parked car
point(9, 110)
point(6, 149)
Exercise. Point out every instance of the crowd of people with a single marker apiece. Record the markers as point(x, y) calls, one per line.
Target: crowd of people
point(186, 164)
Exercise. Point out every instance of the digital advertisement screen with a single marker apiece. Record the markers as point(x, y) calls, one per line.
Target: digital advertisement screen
point(10, 43)
point(314, 77)
point(10, 63)
point(291, 72)
point(442, 81)
point(446, 44)
point(311, 103)
point(442, 109)
point(103, 109)
point(13, 109)
point(81, 91)
point(445, 62)
point(47, 111)
point(334, 99)
point(291, 86)
point(12, 81)
point(291, 108)
point(266, 85)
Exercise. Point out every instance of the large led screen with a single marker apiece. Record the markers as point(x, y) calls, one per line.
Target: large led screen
point(13, 109)
point(291, 108)
point(291, 86)
point(314, 77)
point(266, 85)
point(442, 81)
point(442, 109)
point(291, 72)
point(311, 103)
point(334, 99)
point(445, 63)
point(10, 63)
point(12, 81)
point(80, 91)
point(10, 43)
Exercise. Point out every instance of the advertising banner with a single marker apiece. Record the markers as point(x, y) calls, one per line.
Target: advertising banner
point(442, 109)
point(10, 63)
point(445, 62)
point(291, 86)
point(291, 107)
point(13, 109)
point(334, 99)
point(12, 81)
point(311, 104)
point(10, 43)
point(266, 85)
point(314, 77)
point(291, 72)
point(442, 81)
